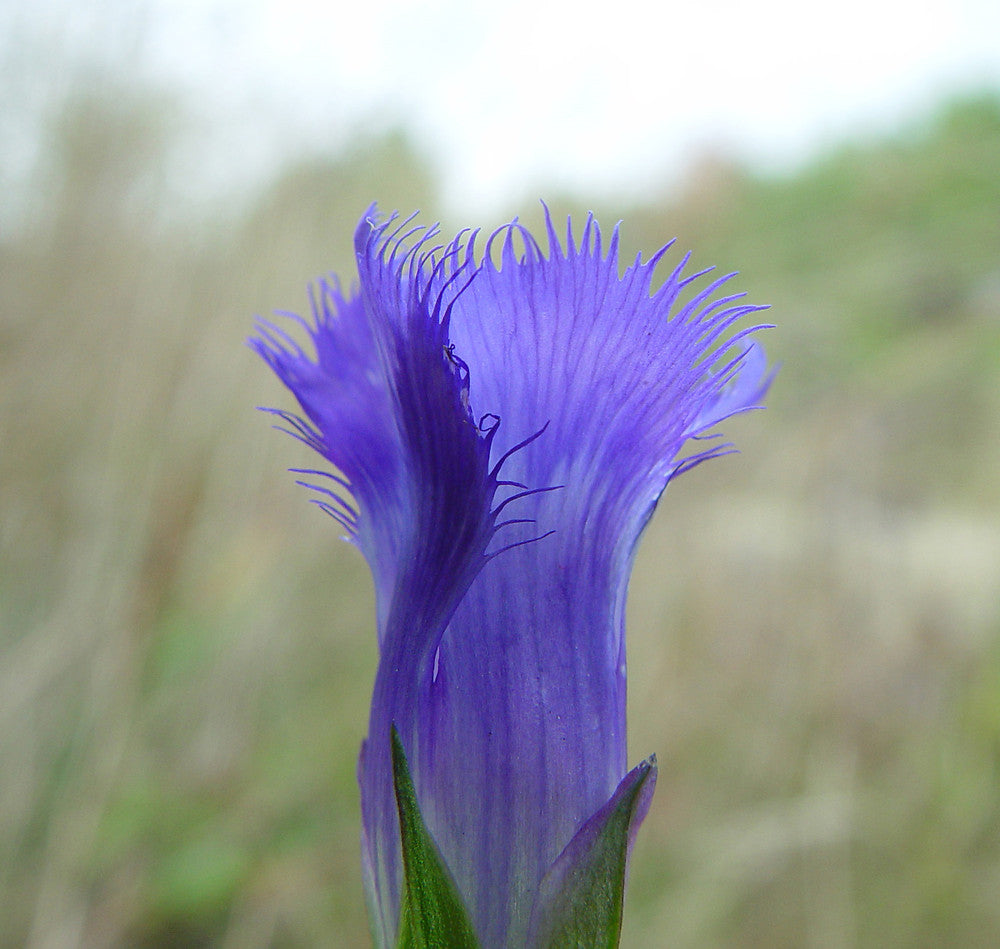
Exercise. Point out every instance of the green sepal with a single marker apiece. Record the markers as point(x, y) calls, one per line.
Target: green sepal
point(581, 898)
point(432, 915)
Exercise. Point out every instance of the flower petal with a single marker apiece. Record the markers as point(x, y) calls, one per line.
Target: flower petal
point(441, 521)
point(385, 400)
point(518, 735)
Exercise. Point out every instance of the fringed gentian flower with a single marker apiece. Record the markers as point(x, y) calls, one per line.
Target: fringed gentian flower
point(501, 428)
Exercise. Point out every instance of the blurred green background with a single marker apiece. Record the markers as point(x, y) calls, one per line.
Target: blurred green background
point(187, 650)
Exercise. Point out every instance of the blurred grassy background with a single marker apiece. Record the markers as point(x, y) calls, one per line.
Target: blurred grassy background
point(186, 650)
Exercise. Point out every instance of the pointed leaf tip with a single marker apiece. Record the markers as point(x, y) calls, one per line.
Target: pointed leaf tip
point(580, 900)
point(432, 914)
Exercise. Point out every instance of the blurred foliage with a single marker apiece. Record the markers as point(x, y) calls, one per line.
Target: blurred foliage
point(187, 651)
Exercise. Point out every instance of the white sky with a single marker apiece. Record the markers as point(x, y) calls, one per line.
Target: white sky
point(513, 97)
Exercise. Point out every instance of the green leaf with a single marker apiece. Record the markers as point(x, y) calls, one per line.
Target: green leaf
point(432, 915)
point(580, 900)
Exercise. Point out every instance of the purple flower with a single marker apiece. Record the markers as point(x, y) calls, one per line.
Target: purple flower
point(501, 433)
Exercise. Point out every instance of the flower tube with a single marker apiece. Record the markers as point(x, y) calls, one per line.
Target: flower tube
point(501, 428)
